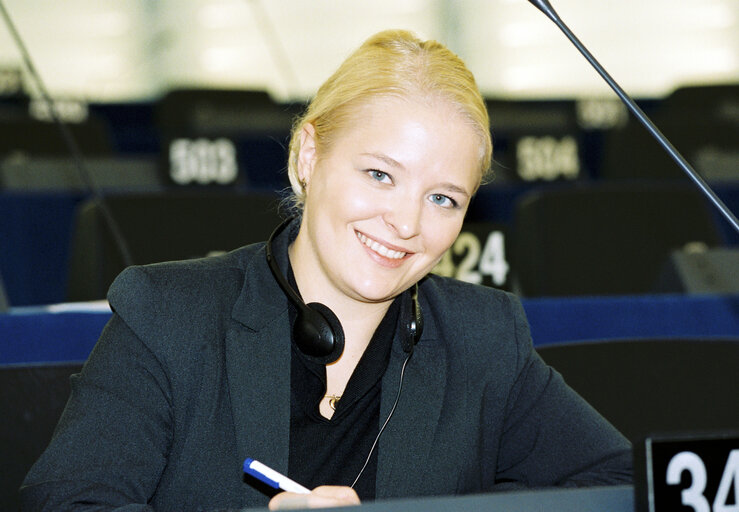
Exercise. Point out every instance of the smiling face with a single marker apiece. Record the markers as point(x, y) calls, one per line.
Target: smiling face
point(385, 201)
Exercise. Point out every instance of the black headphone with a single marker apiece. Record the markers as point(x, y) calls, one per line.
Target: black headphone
point(317, 331)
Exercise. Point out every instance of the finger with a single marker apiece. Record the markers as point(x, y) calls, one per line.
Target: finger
point(288, 501)
point(321, 497)
point(344, 495)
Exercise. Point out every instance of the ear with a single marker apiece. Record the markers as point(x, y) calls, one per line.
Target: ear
point(307, 155)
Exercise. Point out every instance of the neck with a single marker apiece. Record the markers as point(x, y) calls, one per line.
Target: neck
point(359, 319)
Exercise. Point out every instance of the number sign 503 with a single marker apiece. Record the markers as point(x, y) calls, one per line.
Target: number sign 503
point(203, 161)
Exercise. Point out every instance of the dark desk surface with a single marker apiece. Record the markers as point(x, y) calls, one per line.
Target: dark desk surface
point(596, 499)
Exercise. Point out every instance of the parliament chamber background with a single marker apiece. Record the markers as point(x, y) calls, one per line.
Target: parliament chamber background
point(629, 277)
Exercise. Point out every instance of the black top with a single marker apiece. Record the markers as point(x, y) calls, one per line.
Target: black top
point(332, 452)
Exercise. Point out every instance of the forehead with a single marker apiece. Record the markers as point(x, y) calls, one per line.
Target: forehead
point(407, 128)
point(420, 133)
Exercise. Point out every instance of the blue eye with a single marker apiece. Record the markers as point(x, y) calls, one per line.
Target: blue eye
point(443, 200)
point(379, 175)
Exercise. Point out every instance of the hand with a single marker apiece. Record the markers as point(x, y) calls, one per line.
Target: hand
point(321, 497)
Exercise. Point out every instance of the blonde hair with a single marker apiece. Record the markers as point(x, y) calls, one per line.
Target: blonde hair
point(390, 63)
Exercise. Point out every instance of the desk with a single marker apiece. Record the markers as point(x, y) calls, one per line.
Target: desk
point(596, 499)
point(68, 333)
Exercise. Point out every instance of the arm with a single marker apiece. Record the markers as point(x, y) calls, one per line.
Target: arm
point(110, 446)
point(551, 436)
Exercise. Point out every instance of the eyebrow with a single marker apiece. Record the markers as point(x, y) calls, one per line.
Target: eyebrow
point(455, 188)
point(379, 156)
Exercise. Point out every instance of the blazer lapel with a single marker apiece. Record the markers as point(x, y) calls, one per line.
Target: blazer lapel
point(258, 364)
point(406, 443)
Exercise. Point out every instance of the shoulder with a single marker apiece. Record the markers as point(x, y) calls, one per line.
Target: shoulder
point(470, 303)
point(180, 297)
point(479, 321)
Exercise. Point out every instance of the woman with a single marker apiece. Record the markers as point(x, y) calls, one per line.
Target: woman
point(206, 363)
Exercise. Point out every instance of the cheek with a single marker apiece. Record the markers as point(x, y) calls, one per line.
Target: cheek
point(358, 201)
point(441, 237)
point(444, 245)
point(354, 200)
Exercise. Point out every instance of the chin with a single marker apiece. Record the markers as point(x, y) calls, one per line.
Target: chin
point(375, 296)
point(380, 291)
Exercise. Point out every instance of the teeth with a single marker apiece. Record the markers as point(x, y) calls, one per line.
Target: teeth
point(380, 249)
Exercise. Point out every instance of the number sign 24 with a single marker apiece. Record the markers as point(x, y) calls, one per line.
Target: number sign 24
point(478, 262)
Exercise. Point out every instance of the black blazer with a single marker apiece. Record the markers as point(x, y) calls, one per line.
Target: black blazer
point(192, 375)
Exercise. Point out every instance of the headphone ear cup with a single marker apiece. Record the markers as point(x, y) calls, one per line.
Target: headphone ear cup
point(318, 333)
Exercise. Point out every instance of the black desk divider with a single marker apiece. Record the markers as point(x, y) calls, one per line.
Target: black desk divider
point(4, 305)
point(710, 145)
point(701, 121)
point(32, 398)
point(163, 227)
point(644, 386)
point(605, 238)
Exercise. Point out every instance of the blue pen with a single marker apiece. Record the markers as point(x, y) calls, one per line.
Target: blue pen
point(271, 477)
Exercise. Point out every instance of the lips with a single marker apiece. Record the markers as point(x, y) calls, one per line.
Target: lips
point(381, 249)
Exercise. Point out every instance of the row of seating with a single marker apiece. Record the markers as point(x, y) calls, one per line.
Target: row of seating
point(237, 138)
point(594, 240)
point(233, 142)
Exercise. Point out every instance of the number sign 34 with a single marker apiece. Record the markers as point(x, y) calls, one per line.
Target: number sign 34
point(694, 496)
point(691, 475)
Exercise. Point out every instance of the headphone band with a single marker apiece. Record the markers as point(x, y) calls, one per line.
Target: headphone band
point(275, 268)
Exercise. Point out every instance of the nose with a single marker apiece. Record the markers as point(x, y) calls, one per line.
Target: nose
point(403, 217)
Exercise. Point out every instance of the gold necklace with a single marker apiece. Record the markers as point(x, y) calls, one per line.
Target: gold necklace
point(333, 400)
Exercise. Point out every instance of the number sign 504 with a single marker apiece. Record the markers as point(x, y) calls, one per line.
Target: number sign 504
point(469, 260)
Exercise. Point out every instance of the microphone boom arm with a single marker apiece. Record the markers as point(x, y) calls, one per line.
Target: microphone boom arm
point(70, 142)
point(545, 7)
